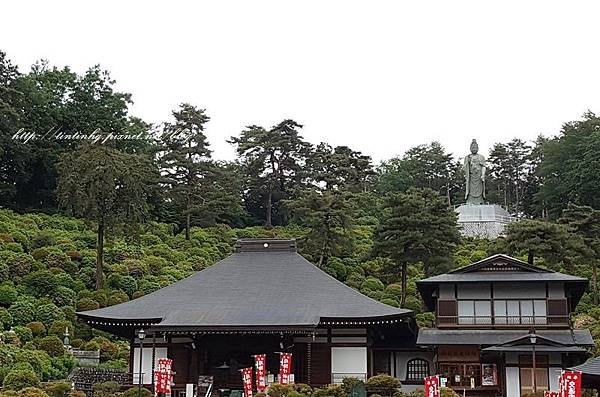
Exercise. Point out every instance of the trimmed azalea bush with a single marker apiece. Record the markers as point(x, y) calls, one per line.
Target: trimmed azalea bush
point(32, 392)
point(20, 379)
point(52, 345)
point(133, 392)
point(384, 384)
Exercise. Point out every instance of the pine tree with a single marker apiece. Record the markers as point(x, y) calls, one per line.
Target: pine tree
point(418, 226)
point(185, 160)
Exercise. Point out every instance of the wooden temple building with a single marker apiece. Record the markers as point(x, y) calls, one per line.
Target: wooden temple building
point(265, 298)
point(503, 327)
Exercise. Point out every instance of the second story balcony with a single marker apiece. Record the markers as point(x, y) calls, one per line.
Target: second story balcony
point(502, 313)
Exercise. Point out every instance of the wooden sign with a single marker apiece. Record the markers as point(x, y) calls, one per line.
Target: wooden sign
point(461, 354)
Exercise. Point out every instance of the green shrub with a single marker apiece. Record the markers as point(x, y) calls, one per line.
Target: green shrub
point(5, 318)
point(64, 296)
point(331, 391)
point(278, 390)
point(21, 264)
point(48, 314)
point(8, 294)
point(384, 384)
point(25, 335)
point(58, 389)
point(4, 272)
point(32, 392)
point(43, 238)
point(22, 367)
point(106, 388)
point(52, 345)
point(39, 360)
point(373, 284)
point(11, 338)
point(23, 312)
point(349, 383)
point(117, 297)
point(59, 327)
point(448, 392)
point(37, 328)
point(133, 392)
point(39, 283)
point(17, 380)
point(85, 304)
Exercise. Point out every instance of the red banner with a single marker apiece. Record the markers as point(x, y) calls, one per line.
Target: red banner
point(570, 383)
point(551, 394)
point(432, 386)
point(260, 361)
point(163, 376)
point(247, 380)
point(285, 368)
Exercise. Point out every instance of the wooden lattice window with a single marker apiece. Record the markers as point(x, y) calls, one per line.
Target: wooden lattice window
point(417, 369)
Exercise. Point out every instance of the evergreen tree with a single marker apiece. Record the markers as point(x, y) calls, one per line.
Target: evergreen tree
point(339, 168)
point(424, 166)
point(418, 226)
point(272, 160)
point(553, 242)
point(570, 166)
point(107, 186)
point(585, 221)
point(196, 185)
point(328, 217)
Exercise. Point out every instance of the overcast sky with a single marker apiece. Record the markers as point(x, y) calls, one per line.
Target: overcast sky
point(378, 76)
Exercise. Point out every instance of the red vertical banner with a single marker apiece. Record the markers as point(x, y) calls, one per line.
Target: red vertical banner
point(571, 384)
point(260, 362)
point(163, 376)
point(432, 386)
point(285, 368)
point(247, 380)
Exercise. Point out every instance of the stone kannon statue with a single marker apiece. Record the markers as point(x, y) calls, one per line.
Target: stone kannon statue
point(475, 176)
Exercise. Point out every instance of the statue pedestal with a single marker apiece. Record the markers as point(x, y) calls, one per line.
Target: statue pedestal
point(482, 220)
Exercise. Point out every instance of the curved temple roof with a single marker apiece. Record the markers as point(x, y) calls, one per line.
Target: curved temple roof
point(266, 284)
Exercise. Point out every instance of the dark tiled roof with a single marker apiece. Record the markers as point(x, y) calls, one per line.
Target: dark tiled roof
point(590, 367)
point(476, 277)
point(431, 337)
point(275, 287)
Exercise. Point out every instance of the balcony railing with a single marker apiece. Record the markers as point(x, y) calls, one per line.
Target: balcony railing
point(502, 321)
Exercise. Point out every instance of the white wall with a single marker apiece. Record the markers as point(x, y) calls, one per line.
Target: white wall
point(447, 291)
point(473, 291)
point(402, 358)
point(554, 373)
point(349, 360)
point(520, 291)
point(513, 386)
point(161, 352)
point(556, 290)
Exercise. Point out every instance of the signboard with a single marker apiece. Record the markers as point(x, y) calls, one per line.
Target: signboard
point(461, 354)
point(260, 362)
point(247, 381)
point(489, 375)
point(285, 368)
point(163, 376)
point(570, 384)
point(432, 386)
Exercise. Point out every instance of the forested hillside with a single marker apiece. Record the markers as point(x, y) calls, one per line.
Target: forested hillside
point(99, 207)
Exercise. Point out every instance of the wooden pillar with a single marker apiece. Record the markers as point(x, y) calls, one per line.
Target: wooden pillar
point(153, 360)
point(131, 352)
point(308, 362)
